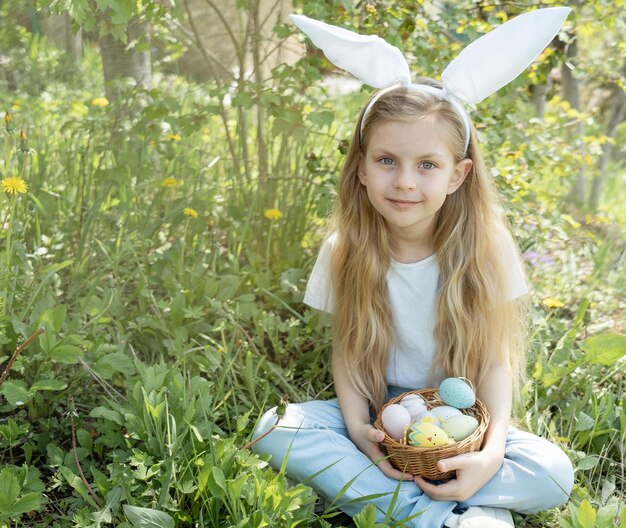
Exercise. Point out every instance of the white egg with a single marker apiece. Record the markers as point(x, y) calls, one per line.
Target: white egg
point(413, 403)
point(427, 417)
point(395, 420)
point(443, 412)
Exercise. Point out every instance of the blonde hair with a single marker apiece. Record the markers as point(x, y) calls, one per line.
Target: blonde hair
point(477, 324)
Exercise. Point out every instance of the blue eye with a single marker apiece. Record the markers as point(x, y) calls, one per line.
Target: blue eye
point(386, 161)
point(428, 165)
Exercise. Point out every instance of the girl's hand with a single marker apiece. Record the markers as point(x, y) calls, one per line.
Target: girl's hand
point(367, 439)
point(473, 471)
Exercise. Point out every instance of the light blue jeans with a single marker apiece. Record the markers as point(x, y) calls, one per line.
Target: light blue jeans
point(535, 475)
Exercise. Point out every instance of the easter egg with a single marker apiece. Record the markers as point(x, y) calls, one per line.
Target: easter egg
point(443, 412)
point(413, 403)
point(428, 417)
point(460, 427)
point(457, 393)
point(424, 434)
point(395, 419)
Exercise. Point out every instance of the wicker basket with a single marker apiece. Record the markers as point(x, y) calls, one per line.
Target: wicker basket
point(423, 460)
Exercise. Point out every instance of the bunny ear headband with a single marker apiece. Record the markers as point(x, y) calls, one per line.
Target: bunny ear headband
point(481, 69)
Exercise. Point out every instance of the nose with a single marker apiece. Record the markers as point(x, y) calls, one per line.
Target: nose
point(405, 180)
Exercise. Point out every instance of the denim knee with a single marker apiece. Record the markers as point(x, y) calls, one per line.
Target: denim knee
point(267, 420)
point(555, 480)
point(560, 475)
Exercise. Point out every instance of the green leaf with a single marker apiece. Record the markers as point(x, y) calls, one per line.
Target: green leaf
point(604, 349)
point(147, 518)
point(9, 490)
point(585, 422)
point(105, 515)
point(107, 414)
point(54, 317)
point(68, 354)
point(26, 503)
point(243, 99)
point(15, 392)
point(366, 518)
point(76, 482)
point(217, 482)
point(112, 363)
point(53, 268)
point(49, 384)
point(586, 515)
point(321, 118)
point(587, 463)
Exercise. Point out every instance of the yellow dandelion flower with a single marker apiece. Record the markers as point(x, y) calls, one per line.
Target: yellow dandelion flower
point(169, 182)
point(273, 214)
point(14, 185)
point(551, 302)
point(190, 211)
point(173, 137)
point(7, 118)
point(100, 101)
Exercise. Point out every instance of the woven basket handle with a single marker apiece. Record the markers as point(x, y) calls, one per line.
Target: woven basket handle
point(469, 382)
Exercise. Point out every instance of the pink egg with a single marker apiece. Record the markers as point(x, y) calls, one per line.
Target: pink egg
point(395, 419)
point(413, 403)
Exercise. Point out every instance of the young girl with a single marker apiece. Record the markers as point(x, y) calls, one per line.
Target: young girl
point(423, 281)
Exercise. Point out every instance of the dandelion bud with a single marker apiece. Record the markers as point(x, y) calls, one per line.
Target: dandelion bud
point(23, 136)
point(8, 120)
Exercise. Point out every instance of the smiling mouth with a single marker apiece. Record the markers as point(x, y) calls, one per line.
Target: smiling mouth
point(402, 204)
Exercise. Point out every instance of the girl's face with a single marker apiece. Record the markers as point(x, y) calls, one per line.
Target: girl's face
point(408, 171)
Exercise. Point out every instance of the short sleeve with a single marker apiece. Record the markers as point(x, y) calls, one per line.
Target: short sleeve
point(516, 280)
point(319, 294)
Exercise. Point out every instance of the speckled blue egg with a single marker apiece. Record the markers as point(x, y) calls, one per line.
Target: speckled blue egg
point(457, 393)
point(443, 412)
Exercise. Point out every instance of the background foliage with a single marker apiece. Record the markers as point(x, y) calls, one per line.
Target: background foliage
point(165, 238)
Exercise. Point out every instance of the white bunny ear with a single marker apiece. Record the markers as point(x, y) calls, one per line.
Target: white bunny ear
point(369, 58)
point(495, 59)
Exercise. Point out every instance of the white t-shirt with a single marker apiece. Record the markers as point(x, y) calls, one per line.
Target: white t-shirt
point(413, 297)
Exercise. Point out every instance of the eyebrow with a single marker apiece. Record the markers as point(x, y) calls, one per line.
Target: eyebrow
point(382, 150)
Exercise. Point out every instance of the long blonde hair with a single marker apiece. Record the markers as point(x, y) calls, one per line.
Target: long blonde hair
point(477, 323)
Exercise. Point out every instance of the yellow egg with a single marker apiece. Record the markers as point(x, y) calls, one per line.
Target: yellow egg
point(424, 434)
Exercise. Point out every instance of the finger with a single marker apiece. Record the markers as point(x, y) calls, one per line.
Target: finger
point(450, 464)
point(382, 461)
point(445, 491)
point(392, 472)
point(375, 435)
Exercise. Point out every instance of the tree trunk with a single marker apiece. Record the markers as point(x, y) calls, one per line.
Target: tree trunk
point(258, 78)
point(539, 92)
point(58, 30)
point(127, 60)
point(617, 114)
point(570, 90)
